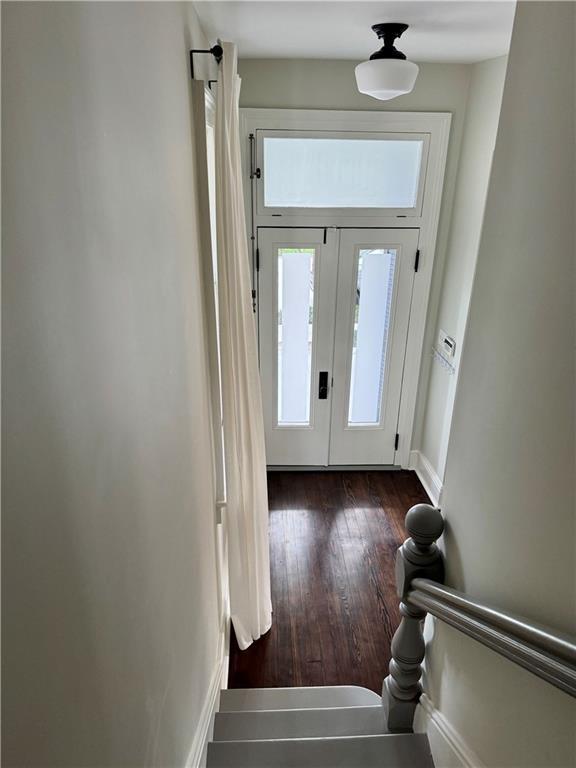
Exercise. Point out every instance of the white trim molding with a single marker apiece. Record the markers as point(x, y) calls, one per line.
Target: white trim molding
point(449, 749)
point(433, 484)
point(203, 731)
point(434, 124)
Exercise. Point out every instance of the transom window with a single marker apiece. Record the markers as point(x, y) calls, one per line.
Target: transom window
point(311, 171)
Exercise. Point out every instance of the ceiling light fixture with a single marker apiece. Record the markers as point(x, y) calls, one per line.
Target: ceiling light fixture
point(388, 74)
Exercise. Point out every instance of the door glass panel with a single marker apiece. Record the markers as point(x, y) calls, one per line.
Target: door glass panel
point(374, 289)
point(341, 173)
point(295, 321)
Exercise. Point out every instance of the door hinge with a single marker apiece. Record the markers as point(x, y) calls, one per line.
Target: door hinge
point(253, 300)
point(396, 441)
point(417, 260)
point(325, 235)
point(257, 259)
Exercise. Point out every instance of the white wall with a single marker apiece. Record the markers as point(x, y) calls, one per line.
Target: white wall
point(479, 136)
point(111, 621)
point(509, 496)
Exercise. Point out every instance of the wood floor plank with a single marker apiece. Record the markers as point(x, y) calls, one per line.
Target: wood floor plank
point(333, 538)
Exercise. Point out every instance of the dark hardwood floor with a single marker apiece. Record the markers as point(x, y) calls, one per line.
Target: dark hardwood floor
point(333, 536)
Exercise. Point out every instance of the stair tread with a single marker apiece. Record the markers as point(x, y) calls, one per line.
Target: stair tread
point(299, 723)
point(392, 750)
point(316, 697)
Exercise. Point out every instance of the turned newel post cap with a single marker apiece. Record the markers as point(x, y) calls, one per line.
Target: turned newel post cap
point(424, 523)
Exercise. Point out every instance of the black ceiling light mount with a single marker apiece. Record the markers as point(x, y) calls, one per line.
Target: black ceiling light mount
point(389, 32)
point(387, 74)
point(216, 51)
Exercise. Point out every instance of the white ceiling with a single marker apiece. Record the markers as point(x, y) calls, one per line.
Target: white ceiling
point(453, 31)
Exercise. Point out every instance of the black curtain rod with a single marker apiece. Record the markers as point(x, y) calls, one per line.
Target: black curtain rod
point(216, 51)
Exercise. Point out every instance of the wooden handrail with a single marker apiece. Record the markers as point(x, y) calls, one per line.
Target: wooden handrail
point(549, 654)
point(546, 639)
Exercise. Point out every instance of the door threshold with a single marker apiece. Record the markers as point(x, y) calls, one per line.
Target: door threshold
point(336, 468)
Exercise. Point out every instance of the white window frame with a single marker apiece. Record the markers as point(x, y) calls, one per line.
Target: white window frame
point(204, 114)
point(434, 124)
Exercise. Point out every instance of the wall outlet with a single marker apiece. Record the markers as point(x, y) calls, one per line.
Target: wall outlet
point(446, 344)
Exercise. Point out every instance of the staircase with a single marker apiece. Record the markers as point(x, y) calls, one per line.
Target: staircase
point(351, 727)
point(324, 727)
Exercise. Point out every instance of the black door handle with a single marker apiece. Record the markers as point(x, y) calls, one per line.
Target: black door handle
point(323, 385)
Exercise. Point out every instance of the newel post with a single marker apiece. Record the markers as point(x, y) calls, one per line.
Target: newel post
point(418, 557)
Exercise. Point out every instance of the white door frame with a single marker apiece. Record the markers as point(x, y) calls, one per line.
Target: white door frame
point(437, 125)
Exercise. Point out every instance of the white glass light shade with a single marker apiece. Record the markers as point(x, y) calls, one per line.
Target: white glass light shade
point(385, 79)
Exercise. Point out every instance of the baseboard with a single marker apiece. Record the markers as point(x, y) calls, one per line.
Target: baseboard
point(413, 461)
point(449, 749)
point(203, 732)
point(333, 468)
point(428, 477)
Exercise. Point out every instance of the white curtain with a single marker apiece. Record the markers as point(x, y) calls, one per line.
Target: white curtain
point(246, 490)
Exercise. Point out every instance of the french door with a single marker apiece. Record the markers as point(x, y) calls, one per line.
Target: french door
point(333, 321)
